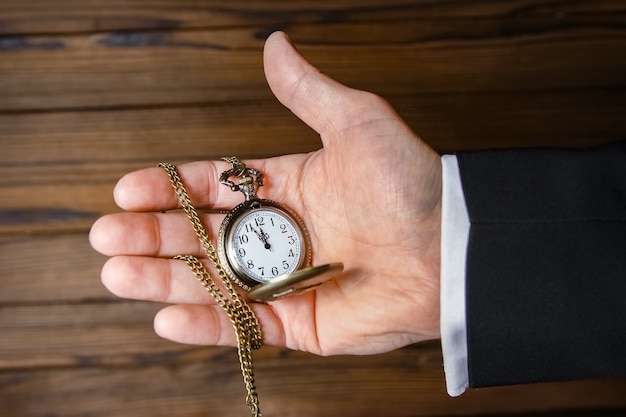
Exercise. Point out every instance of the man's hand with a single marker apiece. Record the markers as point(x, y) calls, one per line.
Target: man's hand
point(371, 198)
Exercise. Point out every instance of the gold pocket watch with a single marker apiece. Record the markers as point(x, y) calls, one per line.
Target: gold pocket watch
point(264, 246)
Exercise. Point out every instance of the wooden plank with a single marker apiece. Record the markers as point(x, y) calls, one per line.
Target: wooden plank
point(81, 334)
point(164, 68)
point(122, 136)
point(59, 208)
point(396, 384)
point(44, 269)
point(16, 17)
point(481, 121)
point(93, 148)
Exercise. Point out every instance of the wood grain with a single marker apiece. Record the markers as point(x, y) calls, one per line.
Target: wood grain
point(92, 15)
point(402, 383)
point(90, 90)
point(44, 269)
point(165, 68)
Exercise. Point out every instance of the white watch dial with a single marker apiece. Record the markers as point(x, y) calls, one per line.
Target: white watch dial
point(264, 243)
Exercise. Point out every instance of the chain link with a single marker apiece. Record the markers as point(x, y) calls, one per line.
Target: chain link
point(247, 328)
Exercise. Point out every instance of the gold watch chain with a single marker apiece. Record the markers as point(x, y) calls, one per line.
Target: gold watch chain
point(245, 322)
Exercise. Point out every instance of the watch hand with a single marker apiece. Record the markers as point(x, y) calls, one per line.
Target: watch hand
point(262, 237)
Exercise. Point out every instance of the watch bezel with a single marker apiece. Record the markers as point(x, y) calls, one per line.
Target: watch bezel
point(233, 269)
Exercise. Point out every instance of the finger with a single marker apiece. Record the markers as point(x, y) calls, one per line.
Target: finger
point(150, 189)
point(153, 234)
point(195, 324)
point(153, 279)
point(321, 102)
point(209, 325)
point(150, 234)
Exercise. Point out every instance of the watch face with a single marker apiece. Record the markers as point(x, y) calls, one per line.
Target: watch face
point(264, 243)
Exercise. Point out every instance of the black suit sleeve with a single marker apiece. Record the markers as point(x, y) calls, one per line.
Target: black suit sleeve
point(546, 264)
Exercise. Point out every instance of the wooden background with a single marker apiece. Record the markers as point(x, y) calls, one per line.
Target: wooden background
point(91, 89)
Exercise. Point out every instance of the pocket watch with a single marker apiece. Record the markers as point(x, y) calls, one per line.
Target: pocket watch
point(264, 246)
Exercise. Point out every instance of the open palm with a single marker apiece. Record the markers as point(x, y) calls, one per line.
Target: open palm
point(370, 198)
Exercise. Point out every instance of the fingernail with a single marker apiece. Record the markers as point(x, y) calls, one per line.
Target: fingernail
point(288, 39)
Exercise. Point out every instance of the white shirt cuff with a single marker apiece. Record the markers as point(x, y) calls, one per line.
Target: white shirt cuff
point(455, 226)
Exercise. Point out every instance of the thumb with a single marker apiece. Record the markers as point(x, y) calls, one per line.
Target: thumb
point(321, 102)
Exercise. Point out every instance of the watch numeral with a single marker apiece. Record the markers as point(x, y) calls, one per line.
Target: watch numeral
point(291, 240)
point(250, 264)
point(272, 221)
point(283, 228)
point(291, 254)
point(241, 252)
point(260, 221)
point(243, 239)
point(249, 228)
point(275, 270)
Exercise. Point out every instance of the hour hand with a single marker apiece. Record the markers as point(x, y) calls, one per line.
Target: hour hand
point(262, 237)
